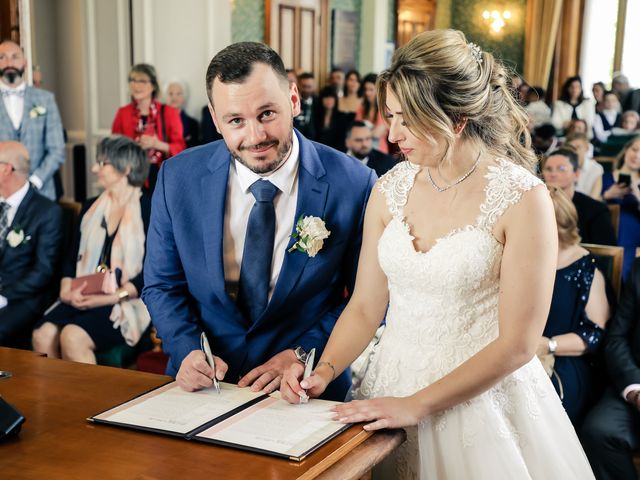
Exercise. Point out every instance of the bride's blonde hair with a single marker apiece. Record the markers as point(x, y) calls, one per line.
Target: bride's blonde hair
point(442, 81)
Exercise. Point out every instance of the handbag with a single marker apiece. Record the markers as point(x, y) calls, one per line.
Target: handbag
point(97, 283)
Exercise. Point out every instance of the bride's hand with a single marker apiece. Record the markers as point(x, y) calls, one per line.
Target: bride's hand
point(385, 412)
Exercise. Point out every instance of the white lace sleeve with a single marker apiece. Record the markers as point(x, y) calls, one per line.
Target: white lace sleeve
point(507, 182)
point(396, 184)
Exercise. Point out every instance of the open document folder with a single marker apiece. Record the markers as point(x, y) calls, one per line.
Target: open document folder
point(237, 417)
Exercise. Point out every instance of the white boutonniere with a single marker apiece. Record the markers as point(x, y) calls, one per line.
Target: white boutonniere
point(16, 237)
point(311, 233)
point(37, 111)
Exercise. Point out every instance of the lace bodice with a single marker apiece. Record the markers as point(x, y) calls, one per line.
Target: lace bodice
point(443, 302)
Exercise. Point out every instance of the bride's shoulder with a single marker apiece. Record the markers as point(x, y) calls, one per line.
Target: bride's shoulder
point(505, 174)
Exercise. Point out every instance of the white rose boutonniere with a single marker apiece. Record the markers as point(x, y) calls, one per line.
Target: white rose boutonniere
point(311, 233)
point(37, 111)
point(16, 237)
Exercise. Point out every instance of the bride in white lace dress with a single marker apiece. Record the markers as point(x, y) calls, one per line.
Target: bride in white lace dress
point(460, 244)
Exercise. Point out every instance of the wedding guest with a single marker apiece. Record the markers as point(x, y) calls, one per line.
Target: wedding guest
point(305, 122)
point(598, 90)
point(30, 116)
point(573, 105)
point(608, 118)
point(589, 179)
point(111, 238)
point(177, 97)
point(611, 431)
point(360, 145)
point(351, 100)
point(577, 318)
point(336, 80)
point(561, 169)
point(625, 191)
point(331, 124)
point(30, 239)
point(369, 111)
point(156, 127)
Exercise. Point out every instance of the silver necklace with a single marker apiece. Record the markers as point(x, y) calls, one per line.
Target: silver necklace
point(461, 179)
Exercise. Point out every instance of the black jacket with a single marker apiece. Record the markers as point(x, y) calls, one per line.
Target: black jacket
point(622, 347)
point(27, 270)
point(380, 162)
point(594, 220)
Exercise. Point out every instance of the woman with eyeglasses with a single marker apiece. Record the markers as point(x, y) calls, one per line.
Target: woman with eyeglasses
point(110, 238)
point(156, 127)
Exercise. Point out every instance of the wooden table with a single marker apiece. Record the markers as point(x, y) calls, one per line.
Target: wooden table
point(56, 441)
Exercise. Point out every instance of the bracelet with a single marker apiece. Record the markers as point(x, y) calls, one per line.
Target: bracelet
point(122, 293)
point(634, 396)
point(328, 364)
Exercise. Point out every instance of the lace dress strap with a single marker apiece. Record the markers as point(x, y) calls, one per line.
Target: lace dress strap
point(507, 182)
point(396, 185)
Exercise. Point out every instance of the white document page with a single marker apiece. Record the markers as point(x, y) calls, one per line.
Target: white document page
point(277, 426)
point(171, 409)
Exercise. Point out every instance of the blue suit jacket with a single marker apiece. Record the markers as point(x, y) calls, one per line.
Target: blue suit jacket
point(184, 271)
point(42, 135)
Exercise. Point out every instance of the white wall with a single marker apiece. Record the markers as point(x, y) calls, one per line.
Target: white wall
point(180, 39)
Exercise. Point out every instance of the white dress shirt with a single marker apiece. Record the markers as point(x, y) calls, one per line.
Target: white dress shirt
point(14, 202)
point(14, 103)
point(598, 127)
point(239, 203)
point(590, 172)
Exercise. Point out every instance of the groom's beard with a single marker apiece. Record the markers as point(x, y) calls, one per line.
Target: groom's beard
point(11, 75)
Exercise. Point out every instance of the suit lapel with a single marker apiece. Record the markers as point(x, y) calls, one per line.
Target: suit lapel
point(5, 120)
point(28, 105)
point(19, 218)
point(312, 198)
point(214, 192)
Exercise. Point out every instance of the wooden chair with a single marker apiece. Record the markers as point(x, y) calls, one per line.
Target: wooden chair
point(614, 210)
point(608, 163)
point(610, 262)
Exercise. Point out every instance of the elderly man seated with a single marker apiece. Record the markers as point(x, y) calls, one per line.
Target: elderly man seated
point(30, 237)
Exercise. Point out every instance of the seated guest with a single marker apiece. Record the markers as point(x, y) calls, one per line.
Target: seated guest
point(608, 118)
point(176, 93)
point(156, 127)
point(30, 238)
point(369, 112)
point(309, 104)
point(351, 100)
point(572, 105)
point(330, 123)
point(336, 80)
point(629, 124)
point(578, 314)
point(590, 178)
point(560, 169)
point(598, 90)
point(359, 145)
point(111, 237)
point(537, 109)
point(544, 139)
point(611, 431)
point(622, 187)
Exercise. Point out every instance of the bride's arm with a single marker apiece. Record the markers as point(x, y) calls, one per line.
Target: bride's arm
point(361, 317)
point(526, 284)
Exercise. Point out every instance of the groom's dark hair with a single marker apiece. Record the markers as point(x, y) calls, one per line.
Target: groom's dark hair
point(234, 63)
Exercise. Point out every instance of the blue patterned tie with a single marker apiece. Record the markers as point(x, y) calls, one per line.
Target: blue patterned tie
point(4, 223)
point(255, 272)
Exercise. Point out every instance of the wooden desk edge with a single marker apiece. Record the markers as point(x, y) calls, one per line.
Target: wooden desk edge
point(362, 457)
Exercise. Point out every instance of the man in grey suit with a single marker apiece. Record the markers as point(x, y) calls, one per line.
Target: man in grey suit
point(30, 116)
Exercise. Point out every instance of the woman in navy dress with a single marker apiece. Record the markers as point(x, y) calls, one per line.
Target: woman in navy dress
point(578, 314)
point(627, 195)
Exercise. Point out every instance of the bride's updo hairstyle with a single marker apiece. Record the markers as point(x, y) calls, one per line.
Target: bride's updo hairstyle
point(441, 81)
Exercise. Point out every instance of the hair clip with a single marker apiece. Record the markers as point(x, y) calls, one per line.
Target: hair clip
point(476, 52)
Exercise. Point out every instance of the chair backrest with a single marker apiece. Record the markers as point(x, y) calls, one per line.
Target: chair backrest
point(614, 210)
point(608, 163)
point(70, 217)
point(610, 262)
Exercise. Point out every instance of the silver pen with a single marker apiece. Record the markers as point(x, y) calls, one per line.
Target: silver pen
point(204, 345)
point(308, 368)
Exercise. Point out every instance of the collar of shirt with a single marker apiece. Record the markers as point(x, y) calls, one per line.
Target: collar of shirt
point(283, 178)
point(19, 88)
point(307, 101)
point(15, 200)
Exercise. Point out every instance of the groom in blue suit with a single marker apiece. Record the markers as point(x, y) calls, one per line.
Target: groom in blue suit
point(220, 249)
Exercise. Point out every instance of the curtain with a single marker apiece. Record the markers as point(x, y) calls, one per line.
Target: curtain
point(543, 20)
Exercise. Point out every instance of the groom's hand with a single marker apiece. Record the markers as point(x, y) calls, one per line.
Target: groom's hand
point(267, 376)
point(196, 374)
